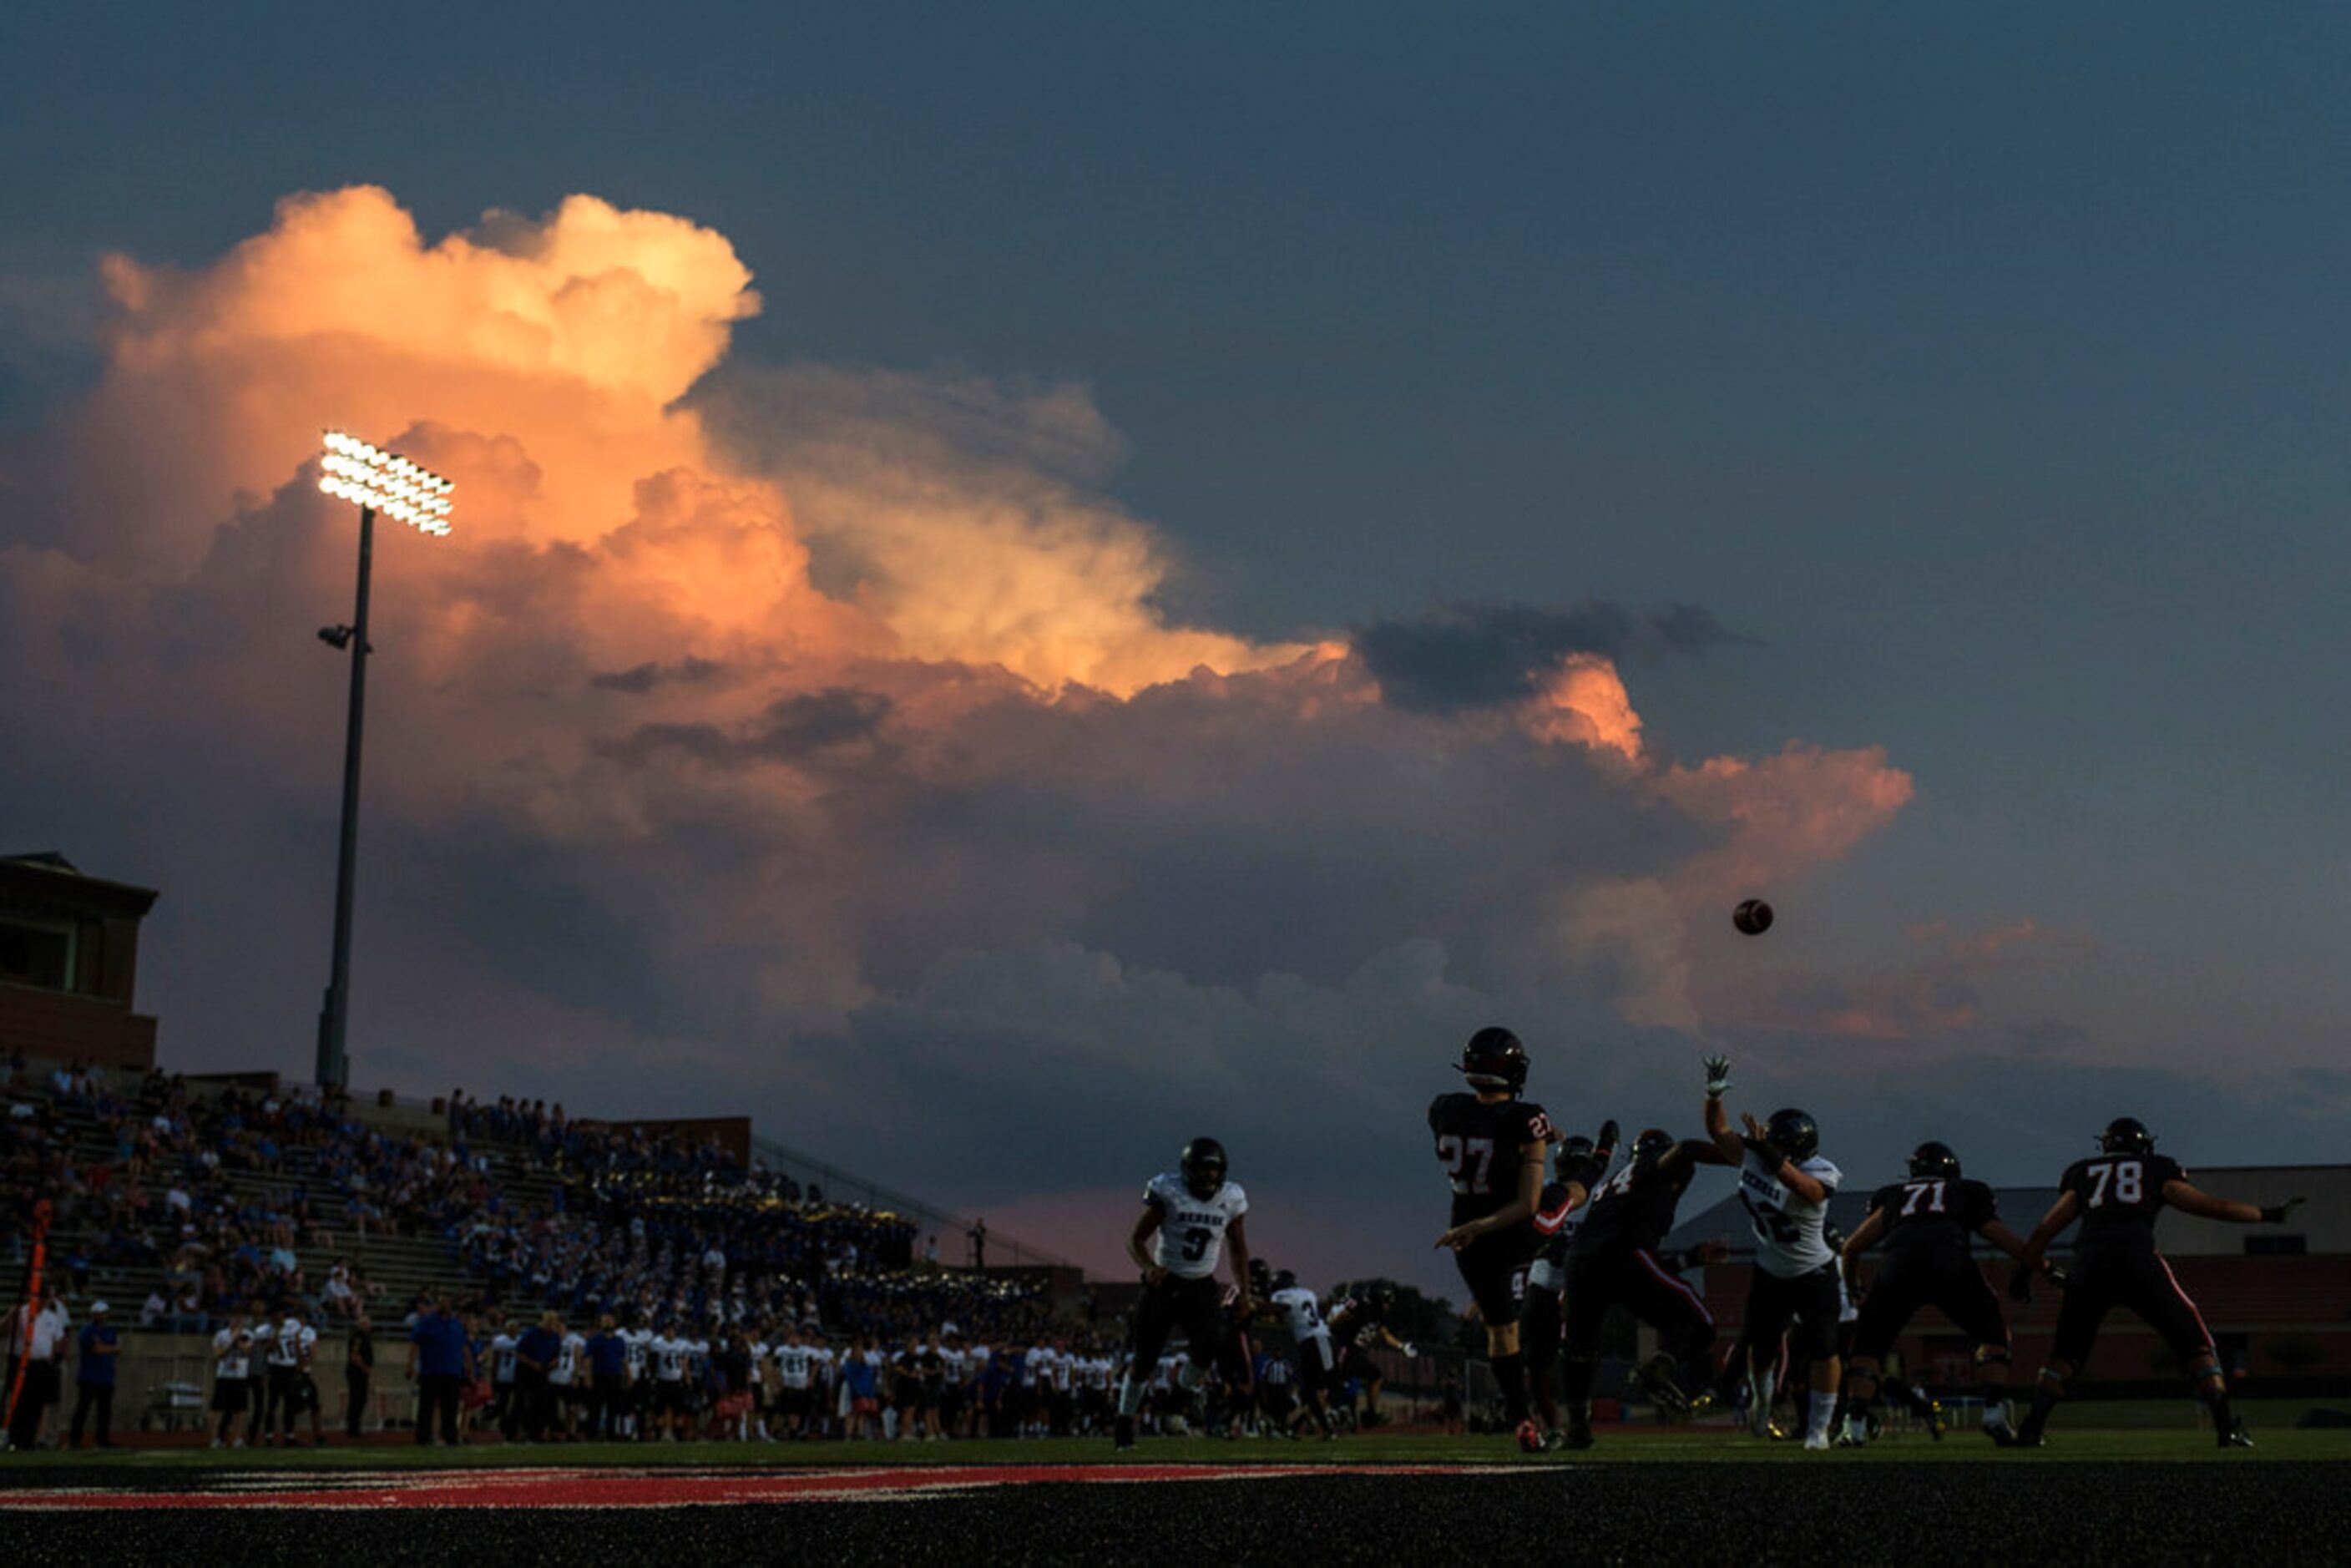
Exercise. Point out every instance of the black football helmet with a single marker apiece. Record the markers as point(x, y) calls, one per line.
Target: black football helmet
point(1935, 1159)
point(1494, 1059)
point(1570, 1149)
point(1285, 1279)
point(1652, 1141)
point(2127, 1135)
point(1792, 1134)
point(1260, 1276)
point(1203, 1166)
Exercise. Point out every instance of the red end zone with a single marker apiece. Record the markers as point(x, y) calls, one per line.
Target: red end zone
point(594, 1487)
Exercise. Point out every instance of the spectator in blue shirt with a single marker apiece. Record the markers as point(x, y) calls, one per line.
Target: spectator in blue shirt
point(535, 1354)
point(607, 1377)
point(440, 1361)
point(100, 1344)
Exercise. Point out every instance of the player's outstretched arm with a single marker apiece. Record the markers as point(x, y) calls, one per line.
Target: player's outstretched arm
point(2188, 1198)
point(1719, 1130)
point(2001, 1237)
point(2061, 1214)
point(1866, 1235)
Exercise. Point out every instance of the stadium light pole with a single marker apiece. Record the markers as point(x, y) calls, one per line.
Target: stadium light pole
point(379, 481)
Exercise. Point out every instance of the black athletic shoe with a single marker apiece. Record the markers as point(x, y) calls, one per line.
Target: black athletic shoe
point(1123, 1434)
point(2235, 1437)
point(1579, 1434)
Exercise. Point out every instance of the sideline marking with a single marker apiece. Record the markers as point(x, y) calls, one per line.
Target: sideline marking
point(612, 1487)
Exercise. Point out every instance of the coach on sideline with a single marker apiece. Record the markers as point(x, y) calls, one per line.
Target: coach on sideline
point(440, 1362)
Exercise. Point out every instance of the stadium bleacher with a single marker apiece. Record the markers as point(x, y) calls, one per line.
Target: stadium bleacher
point(257, 1196)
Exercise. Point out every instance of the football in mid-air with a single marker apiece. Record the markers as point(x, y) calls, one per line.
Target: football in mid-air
point(1752, 917)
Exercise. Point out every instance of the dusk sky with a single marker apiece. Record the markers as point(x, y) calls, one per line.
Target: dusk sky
point(1034, 580)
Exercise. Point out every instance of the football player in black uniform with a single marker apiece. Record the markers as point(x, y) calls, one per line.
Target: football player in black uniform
point(1359, 1325)
point(1927, 1224)
point(2116, 1196)
point(1577, 1165)
point(1614, 1260)
point(1492, 1143)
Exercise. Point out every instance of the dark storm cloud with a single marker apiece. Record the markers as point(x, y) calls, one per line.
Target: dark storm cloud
point(644, 677)
point(793, 731)
point(1484, 654)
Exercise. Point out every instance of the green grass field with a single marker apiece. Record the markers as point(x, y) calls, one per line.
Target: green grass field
point(2098, 1434)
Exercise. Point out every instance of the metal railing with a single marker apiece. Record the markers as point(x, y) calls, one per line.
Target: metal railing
point(952, 1231)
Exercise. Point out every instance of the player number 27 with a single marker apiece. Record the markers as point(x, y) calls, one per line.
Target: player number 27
point(2127, 1175)
point(1468, 1161)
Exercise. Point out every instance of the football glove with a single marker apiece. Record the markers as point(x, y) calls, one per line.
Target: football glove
point(1609, 1132)
point(2019, 1284)
point(1718, 1076)
point(2058, 1277)
point(1410, 1350)
point(2276, 1212)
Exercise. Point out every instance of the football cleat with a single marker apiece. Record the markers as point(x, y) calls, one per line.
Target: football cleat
point(1997, 1428)
point(1817, 1442)
point(2235, 1436)
point(1530, 1438)
point(1554, 1440)
point(1655, 1377)
point(1123, 1437)
point(1579, 1432)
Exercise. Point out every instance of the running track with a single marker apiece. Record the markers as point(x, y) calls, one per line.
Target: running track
point(2247, 1516)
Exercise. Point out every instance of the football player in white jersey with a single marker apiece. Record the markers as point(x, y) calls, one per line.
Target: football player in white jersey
point(954, 1393)
point(506, 1403)
point(796, 1384)
point(567, 1381)
point(671, 1413)
point(1786, 1185)
point(637, 1397)
point(1318, 1360)
point(234, 1365)
point(1191, 1216)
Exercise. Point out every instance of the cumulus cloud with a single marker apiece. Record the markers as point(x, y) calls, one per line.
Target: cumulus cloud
point(1487, 654)
point(812, 738)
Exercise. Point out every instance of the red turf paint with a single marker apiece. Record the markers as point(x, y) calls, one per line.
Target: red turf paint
point(604, 1488)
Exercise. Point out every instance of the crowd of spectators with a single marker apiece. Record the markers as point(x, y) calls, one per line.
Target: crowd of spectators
point(212, 1197)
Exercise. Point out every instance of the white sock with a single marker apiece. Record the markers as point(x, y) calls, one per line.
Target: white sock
point(1823, 1414)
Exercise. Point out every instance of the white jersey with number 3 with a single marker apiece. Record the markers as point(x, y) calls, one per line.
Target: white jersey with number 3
point(1192, 1229)
point(1788, 1228)
point(1304, 1312)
